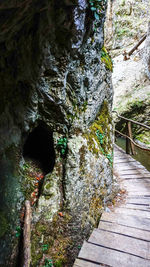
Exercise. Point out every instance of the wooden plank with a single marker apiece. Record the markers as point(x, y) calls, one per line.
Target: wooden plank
point(129, 167)
point(138, 201)
point(111, 257)
point(131, 172)
point(134, 176)
point(127, 220)
point(126, 211)
point(118, 241)
point(83, 263)
point(123, 237)
point(125, 160)
point(122, 157)
point(129, 162)
point(136, 207)
point(144, 181)
point(129, 231)
point(123, 163)
point(134, 173)
point(136, 189)
point(145, 187)
point(137, 194)
point(147, 197)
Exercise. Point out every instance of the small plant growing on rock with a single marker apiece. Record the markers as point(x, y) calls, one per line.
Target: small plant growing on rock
point(106, 59)
point(62, 146)
point(45, 247)
point(48, 263)
point(18, 231)
point(98, 8)
point(100, 137)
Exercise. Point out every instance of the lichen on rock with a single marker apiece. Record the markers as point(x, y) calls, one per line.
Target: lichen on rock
point(54, 87)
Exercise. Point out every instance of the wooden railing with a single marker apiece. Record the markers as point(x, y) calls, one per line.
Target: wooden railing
point(128, 54)
point(130, 143)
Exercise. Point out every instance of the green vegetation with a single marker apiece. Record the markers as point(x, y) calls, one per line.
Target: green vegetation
point(62, 146)
point(18, 231)
point(128, 21)
point(101, 141)
point(56, 241)
point(3, 224)
point(48, 263)
point(98, 8)
point(144, 137)
point(120, 31)
point(98, 138)
point(106, 59)
point(77, 111)
point(29, 172)
point(45, 247)
point(59, 263)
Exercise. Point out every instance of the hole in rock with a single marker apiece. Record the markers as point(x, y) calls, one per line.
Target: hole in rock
point(39, 146)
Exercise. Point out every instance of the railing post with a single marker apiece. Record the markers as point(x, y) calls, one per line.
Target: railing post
point(127, 140)
point(130, 135)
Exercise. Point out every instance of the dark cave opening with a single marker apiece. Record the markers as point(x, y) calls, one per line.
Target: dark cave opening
point(39, 146)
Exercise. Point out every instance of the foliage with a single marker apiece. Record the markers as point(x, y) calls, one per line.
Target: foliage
point(45, 247)
point(18, 231)
point(48, 263)
point(110, 158)
point(122, 31)
point(106, 59)
point(100, 136)
point(3, 224)
point(58, 263)
point(62, 145)
point(56, 235)
point(32, 176)
point(98, 8)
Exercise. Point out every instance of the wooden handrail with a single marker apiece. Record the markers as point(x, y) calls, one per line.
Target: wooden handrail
point(129, 141)
point(138, 123)
point(135, 144)
point(128, 54)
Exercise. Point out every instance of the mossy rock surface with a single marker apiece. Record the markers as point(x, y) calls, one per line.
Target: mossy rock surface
point(99, 135)
point(3, 224)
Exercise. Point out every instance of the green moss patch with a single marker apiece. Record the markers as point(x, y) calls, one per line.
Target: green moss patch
point(99, 135)
point(53, 237)
point(106, 59)
point(144, 137)
point(3, 224)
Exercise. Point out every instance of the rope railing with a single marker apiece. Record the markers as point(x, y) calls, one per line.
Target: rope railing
point(130, 143)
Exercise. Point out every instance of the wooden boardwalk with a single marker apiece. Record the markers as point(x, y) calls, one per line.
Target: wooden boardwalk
point(123, 236)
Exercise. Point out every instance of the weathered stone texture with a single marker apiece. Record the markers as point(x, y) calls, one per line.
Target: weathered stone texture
point(147, 53)
point(51, 73)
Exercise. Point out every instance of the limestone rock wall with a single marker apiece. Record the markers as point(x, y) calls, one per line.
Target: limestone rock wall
point(51, 74)
point(147, 53)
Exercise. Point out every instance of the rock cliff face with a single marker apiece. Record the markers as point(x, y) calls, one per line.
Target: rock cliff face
point(147, 52)
point(55, 105)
